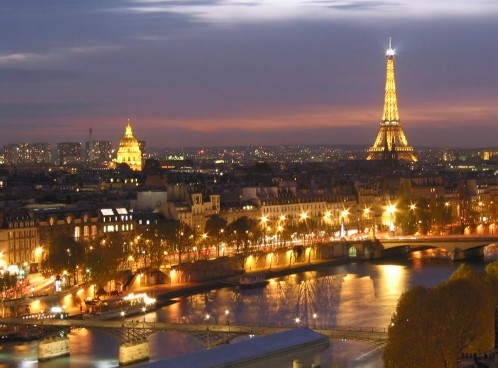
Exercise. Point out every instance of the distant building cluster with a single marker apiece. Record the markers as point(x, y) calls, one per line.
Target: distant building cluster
point(27, 154)
point(94, 153)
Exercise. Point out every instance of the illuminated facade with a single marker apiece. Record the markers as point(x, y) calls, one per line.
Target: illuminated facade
point(129, 151)
point(391, 141)
point(27, 154)
point(98, 152)
point(68, 153)
point(18, 239)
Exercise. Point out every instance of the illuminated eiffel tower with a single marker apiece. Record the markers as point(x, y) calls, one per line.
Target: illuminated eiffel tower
point(391, 141)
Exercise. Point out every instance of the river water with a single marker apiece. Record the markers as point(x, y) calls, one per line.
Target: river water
point(362, 294)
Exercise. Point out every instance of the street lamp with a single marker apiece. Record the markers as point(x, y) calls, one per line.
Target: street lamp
point(280, 228)
point(366, 216)
point(264, 220)
point(326, 221)
point(281, 225)
point(391, 209)
point(344, 215)
point(303, 217)
point(204, 238)
point(38, 253)
point(220, 242)
point(227, 312)
point(207, 329)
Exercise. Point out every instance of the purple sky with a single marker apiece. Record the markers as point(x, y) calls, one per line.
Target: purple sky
point(233, 72)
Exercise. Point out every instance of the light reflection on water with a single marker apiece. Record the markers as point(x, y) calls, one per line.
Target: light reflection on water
point(361, 294)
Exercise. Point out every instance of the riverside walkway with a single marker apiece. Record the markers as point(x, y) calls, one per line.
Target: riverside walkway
point(344, 333)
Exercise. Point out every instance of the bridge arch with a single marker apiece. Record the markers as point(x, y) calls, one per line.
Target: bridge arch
point(352, 251)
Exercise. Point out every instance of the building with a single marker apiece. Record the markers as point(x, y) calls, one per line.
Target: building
point(18, 239)
point(68, 153)
point(391, 143)
point(129, 150)
point(98, 152)
point(27, 153)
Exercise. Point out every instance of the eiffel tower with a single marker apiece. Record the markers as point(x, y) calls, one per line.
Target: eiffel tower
point(391, 140)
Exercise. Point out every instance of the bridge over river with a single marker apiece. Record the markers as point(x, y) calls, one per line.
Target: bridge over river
point(133, 333)
point(460, 246)
point(350, 333)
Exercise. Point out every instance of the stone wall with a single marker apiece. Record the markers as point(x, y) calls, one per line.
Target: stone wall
point(53, 347)
point(205, 270)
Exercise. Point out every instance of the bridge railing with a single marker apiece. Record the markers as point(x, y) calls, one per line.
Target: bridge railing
point(278, 324)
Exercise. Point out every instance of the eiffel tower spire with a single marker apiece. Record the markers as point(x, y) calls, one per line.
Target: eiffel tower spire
point(390, 134)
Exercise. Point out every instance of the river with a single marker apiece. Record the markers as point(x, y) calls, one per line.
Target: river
point(362, 294)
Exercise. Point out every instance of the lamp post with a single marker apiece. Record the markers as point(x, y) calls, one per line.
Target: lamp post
point(220, 240)
point(207, 329)
point(366, 216)
point(280, 228)
point(227, 312)
point(326, 221)
point(264, 221)
point(303, 217)
point(344, 215)
point(204, 241)
point(281, 225)
point(391, 209)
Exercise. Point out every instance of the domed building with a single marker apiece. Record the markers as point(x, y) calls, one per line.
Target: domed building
point(129, 150)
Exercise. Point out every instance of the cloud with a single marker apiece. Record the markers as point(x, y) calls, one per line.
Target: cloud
point(56, 54)
point(228, 12)
point(360, 5)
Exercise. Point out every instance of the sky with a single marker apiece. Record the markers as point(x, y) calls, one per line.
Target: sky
point(247, 72)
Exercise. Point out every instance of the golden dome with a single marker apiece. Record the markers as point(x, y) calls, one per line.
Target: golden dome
point(129, 150)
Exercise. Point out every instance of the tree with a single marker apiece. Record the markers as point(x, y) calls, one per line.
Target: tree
point(491, 273)
point(408, 344)
point(215, 228)
point(441, 213)
point(406, 217)
point(64, 254)
point(151, 246)
point(8, 282)
point(105, 258)
point(424, 215)
point(434, 327)
point(465, 272)
point(242, 231)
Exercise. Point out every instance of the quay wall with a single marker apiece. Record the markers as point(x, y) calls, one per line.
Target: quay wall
point(274, 259)
point(53, 347)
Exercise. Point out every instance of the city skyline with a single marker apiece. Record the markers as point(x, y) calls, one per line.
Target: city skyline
point(212, 72)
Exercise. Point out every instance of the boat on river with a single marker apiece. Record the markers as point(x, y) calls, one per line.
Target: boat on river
point(253, 280)
point(130, 305)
